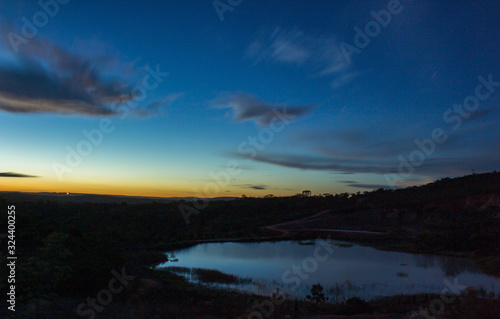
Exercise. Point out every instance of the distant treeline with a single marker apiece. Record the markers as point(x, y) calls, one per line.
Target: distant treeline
point(70, 248)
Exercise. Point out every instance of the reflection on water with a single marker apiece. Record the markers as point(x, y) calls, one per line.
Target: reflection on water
point(451, 266)
point(348, 271)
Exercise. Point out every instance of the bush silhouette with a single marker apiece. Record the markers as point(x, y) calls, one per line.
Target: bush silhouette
point(317, 294)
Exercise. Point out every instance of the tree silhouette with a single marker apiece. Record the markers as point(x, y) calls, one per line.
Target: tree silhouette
point(317, 295)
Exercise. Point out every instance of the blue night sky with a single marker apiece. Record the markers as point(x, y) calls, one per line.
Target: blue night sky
point(204, 98)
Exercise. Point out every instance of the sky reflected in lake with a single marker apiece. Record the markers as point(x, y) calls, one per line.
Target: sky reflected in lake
point(346, 271)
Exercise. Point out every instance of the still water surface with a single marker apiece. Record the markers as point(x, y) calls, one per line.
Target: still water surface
point(344, 269)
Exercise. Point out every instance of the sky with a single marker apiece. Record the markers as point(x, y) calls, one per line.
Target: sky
point(231, 97)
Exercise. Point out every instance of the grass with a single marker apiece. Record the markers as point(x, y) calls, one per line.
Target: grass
point(178, 270)
point(209, 275)
point(215, 276)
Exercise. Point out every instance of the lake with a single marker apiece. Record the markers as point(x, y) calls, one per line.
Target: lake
point(343, 269)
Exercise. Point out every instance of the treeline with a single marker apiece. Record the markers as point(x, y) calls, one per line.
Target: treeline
point(70, 248)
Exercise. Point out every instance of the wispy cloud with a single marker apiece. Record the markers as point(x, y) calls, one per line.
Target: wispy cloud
point(318, 162)
point(45, 78)
point(358, 151)
point(364, 186)
point(256, 187)
point(321, 54)
point(432, 167)
point(153, 107)
point(246, 107)
point(344, 79)
point(281, 46)
point(11, 174)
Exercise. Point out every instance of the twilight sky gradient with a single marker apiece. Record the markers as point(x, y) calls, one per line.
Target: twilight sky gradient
point(184, 98)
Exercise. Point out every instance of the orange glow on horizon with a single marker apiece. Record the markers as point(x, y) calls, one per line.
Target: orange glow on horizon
point(35, 185)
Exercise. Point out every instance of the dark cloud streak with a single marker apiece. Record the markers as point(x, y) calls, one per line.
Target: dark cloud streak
point(256, 187)
point(45, 78)
point(365, 186)
point(11, 174)
point(246, 107)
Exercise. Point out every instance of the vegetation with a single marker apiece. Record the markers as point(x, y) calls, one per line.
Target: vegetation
point(317, 295)
point(209, 275)
point(67, 250)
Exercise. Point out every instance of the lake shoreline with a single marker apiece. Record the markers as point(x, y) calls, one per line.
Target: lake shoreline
point(392, 306)
point(384, 242)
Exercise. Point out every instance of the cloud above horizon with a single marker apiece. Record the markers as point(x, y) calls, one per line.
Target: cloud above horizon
point(11, 174)
point(45, 78)
point(357, 151)
point(256, 187)
point(364, 186)
point(321, 54)
point(246, 107)
point(432, 166)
